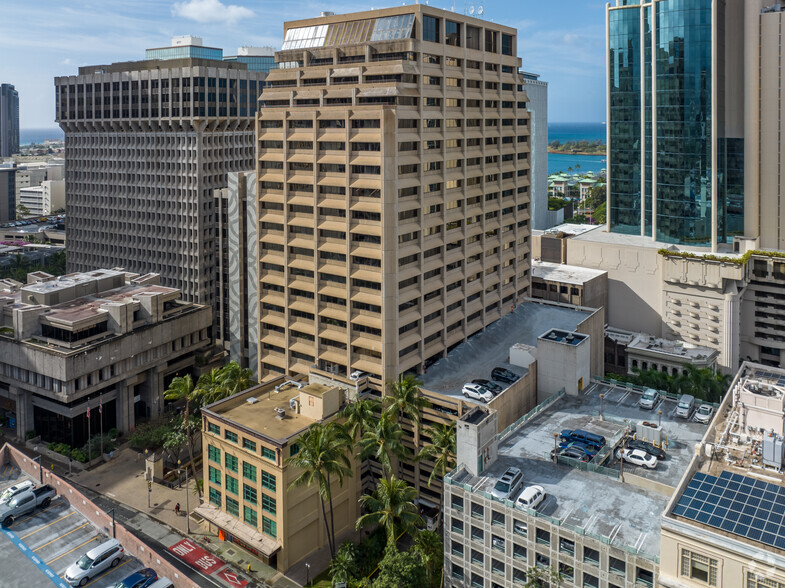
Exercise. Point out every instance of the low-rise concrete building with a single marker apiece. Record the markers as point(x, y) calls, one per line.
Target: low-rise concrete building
point(247, 440)
point(723, 527)
point(599, 523)
point(43, 199)
point(103, 339)
point(646, 352)
point(569, 284)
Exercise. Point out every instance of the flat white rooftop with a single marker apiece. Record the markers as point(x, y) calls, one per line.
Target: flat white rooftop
point(568, 274)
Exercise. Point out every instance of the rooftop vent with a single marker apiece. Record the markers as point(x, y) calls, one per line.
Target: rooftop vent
point(328, 13)
point(280, 413)
point(252, 400)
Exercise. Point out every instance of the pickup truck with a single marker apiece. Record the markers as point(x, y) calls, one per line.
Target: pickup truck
point(26, 502)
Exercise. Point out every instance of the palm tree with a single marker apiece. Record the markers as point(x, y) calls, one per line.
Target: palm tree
point(431, 549)
point(441, 450)
point(405, 399)
point(391, 505)
point(383, 442)
point(322, 457)
point(181, 388)
point(343, 567)
point(360, 416)
point(235, 379)
point(207, 387)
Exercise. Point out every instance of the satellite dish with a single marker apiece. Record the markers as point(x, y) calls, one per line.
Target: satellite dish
point(480, 10)
point(471, 9)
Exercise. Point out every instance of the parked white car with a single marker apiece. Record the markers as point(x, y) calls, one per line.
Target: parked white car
point(637, 457)
point(703, 414)
point(9, 493)
point(92, 563)
point(477, 392)
point(531, 497)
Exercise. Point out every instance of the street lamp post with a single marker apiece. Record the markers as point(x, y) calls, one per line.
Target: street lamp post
point(555, 447)
point(179, 484)
point(601, 397)
point(307, 574)
point(187, 508)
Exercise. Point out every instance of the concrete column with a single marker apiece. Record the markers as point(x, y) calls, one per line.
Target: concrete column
point(732, 319)
point(124, 406)
point(155, 391)
point(24, 411)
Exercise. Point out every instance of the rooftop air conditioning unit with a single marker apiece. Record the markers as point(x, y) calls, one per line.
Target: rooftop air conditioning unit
point(252, 400)
point(280, 413)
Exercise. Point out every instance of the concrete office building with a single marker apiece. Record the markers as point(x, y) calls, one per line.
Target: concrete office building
point(9, 120)
point(168, 131)
point(256, 58)
point(537, 100)
point(723, 525)
point(70, 342)
point(676, 119)
point(393, 185)
point(247, 440)
point(43, 199)
point(569, 284)
point(7, 192)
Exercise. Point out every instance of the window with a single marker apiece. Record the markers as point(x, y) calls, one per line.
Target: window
point(268, 504)
point(567, 572)
point(229, 436)
point(269, 527)
point(214, 454)
point(472, 37)
point(478, 511)
point(214, 475)
point(756, 581)
point(248, 444)
point(543, 537)
point(430, 29)
point(590, 581)
point(617, 566)
point(268, 453)
point(249, 516)
point(477, 534)
point(249, 471)
point(231, 484)
point(232, 507)
point(506, 44)
point(230, 461)
point(213, 428)
point(295, 448)
point(477, 557)
point(519, 552)
point(215, 497)
point(566, 546)
point(268, 481)
point(497, 518)
point(591, 555)
point(457, 526)
point(699, 567)
point(452, 33)
point(249, 493)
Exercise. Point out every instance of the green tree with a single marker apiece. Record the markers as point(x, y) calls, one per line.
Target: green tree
point(429, 546)
point(208, 387)
point(405, 399)
point(182, 388)
point(537, 577)
point(441, 450)
point(344, 566)
point(360, 416)
point(234, 379)
point(322, 459)
point(383, 442)
point(175, 440)
point(400, 569)
point(392, 506)
point(22, 210)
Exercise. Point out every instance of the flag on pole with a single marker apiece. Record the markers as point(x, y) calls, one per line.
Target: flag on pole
point(101, 404)
point(88, 410)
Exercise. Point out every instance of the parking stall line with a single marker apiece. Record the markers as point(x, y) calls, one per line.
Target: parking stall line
point(28, 517)
point(61, 536)
point(35, 559)
point(109, 571)
point(5, 471)
point(57, 520)
point(74, 549)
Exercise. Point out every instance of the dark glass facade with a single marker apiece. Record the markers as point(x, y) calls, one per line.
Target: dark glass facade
point(661, 176)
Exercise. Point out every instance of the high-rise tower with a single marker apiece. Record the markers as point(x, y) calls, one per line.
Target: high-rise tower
point(9, 120)
point(676, 120)
point(147, 142)
point(393, 186)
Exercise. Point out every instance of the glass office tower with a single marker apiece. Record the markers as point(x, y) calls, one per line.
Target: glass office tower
point(674, 173)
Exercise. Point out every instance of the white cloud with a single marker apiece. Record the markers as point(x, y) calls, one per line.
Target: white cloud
point(214, 11)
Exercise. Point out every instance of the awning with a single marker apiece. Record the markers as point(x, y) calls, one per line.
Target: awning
point(343, 72)
point(332, 158)
point(300, 136)
point(311, 74)
point(389, 91)
point(243, 532)
point(374, 184)
point(366, 160)
point(366, 137)
point(367, 298)
point(367, 320)
point(368, 275)
point(332, 181)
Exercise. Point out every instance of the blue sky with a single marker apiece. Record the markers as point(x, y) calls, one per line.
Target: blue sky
point(563, 40)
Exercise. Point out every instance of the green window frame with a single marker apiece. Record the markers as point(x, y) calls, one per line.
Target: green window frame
point(215, 497)
point(213, 428)
point(249, 494)
point(268, 453)
point(249, 516)
point(214, 454)
point(269, 527)
point(249, 471)
point(248, 444)
point(231, 484)
point(230, 436)
point(230, 461)
point(232, 507)
point(214, 475)
point(268, 480)
point(268, 504)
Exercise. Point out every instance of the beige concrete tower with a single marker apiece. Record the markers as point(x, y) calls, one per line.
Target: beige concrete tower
point(393, 170)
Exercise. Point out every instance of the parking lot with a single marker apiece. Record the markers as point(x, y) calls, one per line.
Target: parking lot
point(38, 548)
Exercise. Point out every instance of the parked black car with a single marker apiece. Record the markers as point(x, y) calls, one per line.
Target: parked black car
point(492, 386)
point(643, 446)
point(501, 374)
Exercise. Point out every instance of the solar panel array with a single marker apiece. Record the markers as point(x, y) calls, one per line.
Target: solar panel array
point(770, 377)
point(737, 504)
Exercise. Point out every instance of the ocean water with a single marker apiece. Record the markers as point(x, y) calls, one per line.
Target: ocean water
point(28, 136)
point(561, 162)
